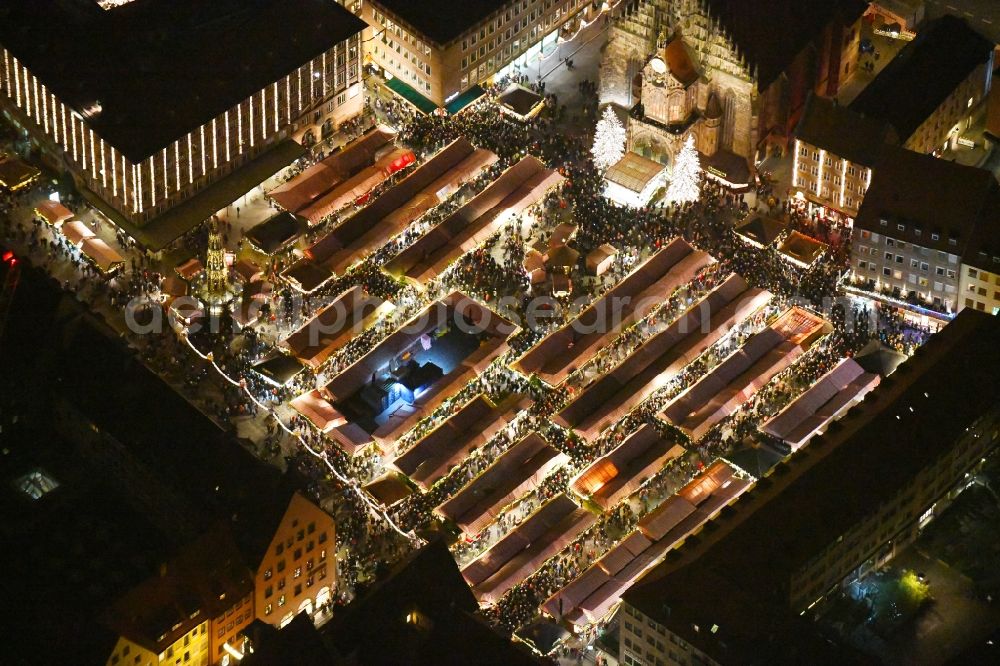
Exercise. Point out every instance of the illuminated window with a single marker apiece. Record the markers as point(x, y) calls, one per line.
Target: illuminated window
point(36, 483)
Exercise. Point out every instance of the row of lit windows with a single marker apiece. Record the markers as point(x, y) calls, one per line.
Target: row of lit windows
point(392, 28)
point(175, 167)
point(297, 590)
point(513, 14)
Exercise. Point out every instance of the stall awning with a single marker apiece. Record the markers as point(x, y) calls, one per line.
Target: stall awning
point(410, 94)
point(465, 99)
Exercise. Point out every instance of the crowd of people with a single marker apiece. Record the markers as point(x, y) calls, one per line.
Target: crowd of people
point(490, 272)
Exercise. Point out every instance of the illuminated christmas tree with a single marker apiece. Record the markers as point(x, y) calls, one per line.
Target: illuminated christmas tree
point(609, 140)
point(684, 179)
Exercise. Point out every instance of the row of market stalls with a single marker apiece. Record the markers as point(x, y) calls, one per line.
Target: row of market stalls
point(469, 427)
point(573, 345)
point(617, 474)
point(320, 193)
point(95, 250)
point(422, 189)
point(404, 377)
point(323, 189)
point(716, 395)
point(353, 238)
point(836, 392)
point(653, 363)
point(546, 531)
point(515, 472)
point(591, 596)
point(518, 188)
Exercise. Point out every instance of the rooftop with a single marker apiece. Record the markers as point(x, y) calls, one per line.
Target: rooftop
point(201, 472)
point(441, 20)
point(923, 75)
point(634, 172)
point(204, 580)
point(929, 197)
point(276, 232)
point(910, 420)
point(762, 229)
point(420, 613)
point(92, 531)
point(843, 132)
point(298, 643)
point(520, 100)
point(147, 73)
point(770, 33)
point(680, 62)
point(983, 248)
point(801, 249)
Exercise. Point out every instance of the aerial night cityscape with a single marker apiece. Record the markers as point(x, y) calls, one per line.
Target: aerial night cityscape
point(500, 332)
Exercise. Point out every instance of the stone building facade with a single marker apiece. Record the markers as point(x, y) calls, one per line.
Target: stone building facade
point(442, 50)
point(696, 67)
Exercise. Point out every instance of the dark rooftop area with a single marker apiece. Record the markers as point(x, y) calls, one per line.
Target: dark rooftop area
point(923, 74)
point(422, 612)
point(206, 468)
point(772, 32)
point(162, 68)
point(298, 643)
point(740, 579)
point(442, 20)
point(276, 232)
point(206, 578)
point(929, 196)
point(983, 248)
point(89, 534)
point(843, 132)
point(101, 519)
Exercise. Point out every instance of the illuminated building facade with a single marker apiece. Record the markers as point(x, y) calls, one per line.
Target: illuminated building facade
point(151, 101)
point(442, 48)
point(923, 224)
point(980, 278)
point(714, 70)
point(299, 570)
point(835, 149)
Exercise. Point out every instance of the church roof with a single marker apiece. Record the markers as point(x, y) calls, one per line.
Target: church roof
point(770, 33)
point(679, 62)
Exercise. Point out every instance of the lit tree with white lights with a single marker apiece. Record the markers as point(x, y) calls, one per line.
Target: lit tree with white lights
point(684, 179)
point(609, 140)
